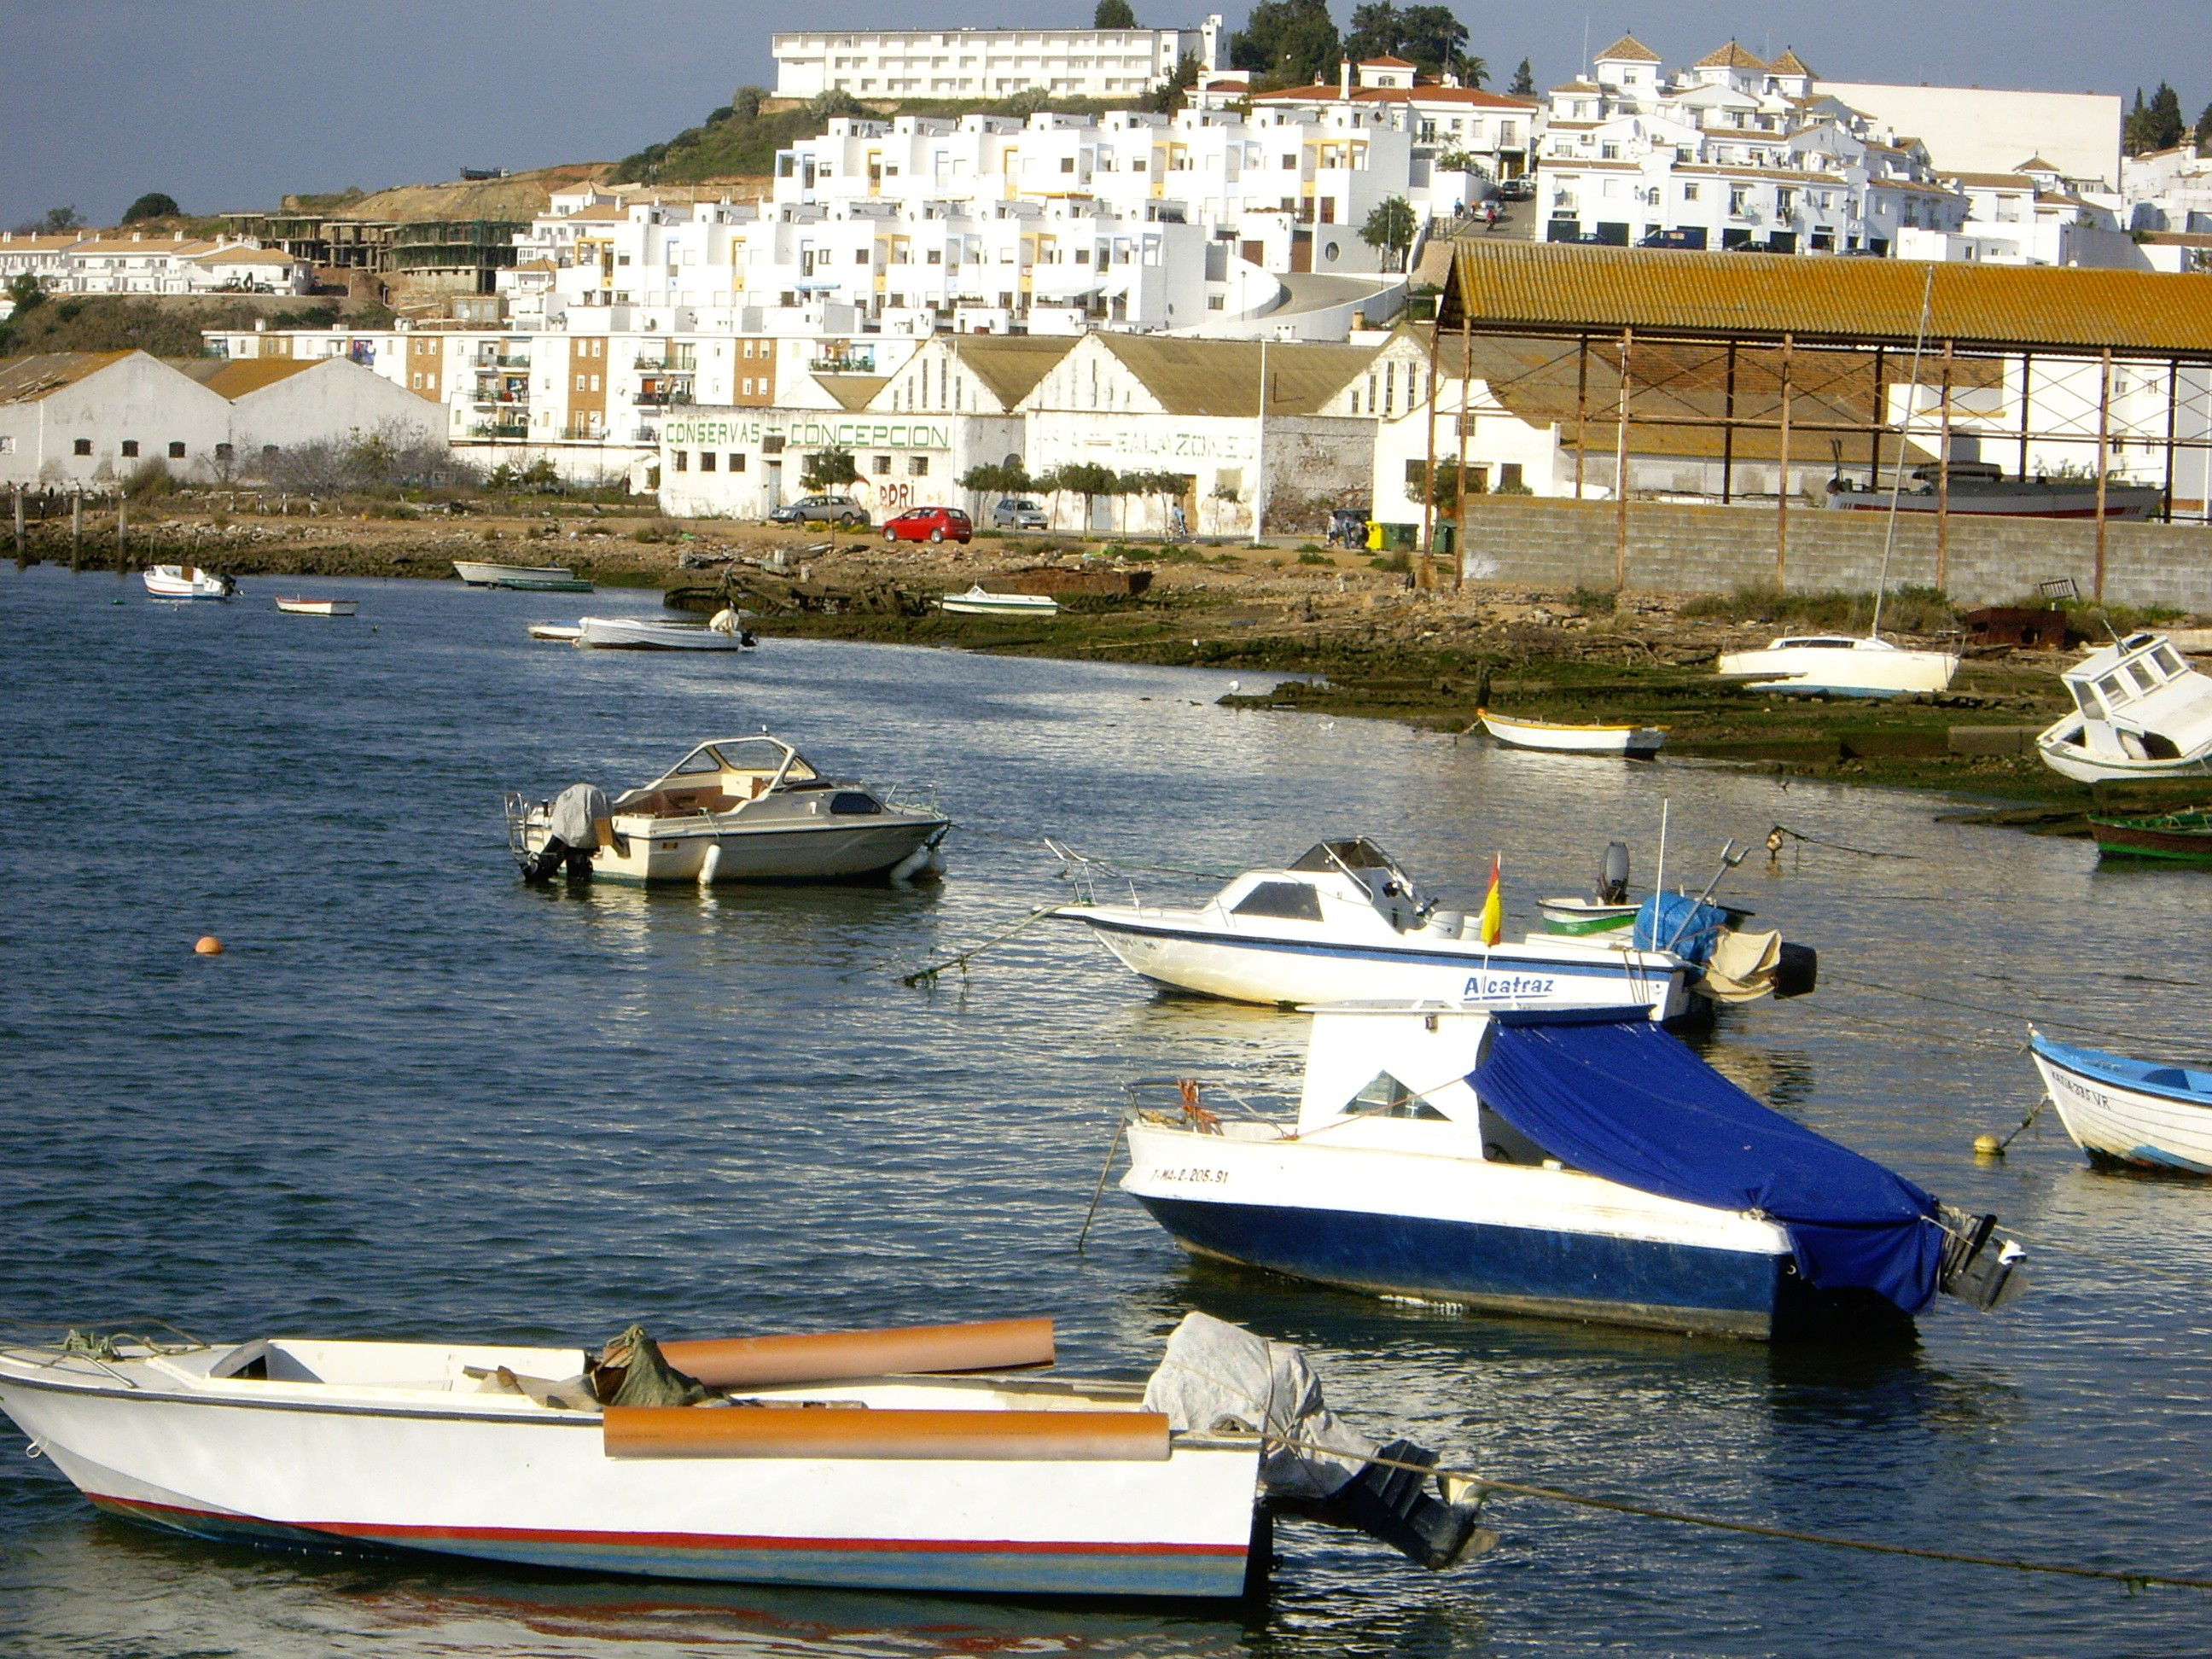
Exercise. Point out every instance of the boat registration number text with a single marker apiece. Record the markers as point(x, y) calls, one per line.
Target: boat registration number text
point(1506, 985)
point(1195, 1175)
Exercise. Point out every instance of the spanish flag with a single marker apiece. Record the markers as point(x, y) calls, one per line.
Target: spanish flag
point(1494, 906)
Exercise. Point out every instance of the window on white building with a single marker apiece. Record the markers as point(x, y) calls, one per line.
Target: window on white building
point(1689, 192)
point(917, 466)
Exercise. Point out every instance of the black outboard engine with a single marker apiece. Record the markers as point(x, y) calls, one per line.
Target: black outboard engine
point(579, 824)
point(1613, 874)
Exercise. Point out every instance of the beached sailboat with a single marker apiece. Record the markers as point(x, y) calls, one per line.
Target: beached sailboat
point(2140, 711)
point(1573, 1164)
point(185, 581)
point(2137, 1113)
point(850, 1459)
point(976, 602)
point(734, 809)
point(1566, 738)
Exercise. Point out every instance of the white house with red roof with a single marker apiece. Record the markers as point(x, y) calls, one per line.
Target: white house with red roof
point(1442, 117)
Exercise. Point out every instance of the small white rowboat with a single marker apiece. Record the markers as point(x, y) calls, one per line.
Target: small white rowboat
point(651, 634)
point(478, 573)
point(976, 602)
point(2134, 1113)
point(1561, 738)
point(319, 607)
point(184, 582)
point(556, 633)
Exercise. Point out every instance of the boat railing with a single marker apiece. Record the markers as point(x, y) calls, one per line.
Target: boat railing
point(1086, 874)
point(1184, 1101)
point(520, 807)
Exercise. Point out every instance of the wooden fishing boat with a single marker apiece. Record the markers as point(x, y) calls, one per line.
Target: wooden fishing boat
point(697, 1461)
point(2134, 1113)
point(2176, 837)
point(299, 607)
point(976, 602)
point(543, 584)
point(483, 573)
point(184, 582)
point(1565, 737)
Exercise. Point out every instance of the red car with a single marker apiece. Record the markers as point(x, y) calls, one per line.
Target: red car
point(929, 524)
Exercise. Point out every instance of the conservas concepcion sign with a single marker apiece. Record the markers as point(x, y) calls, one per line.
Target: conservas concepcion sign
point(804, 433)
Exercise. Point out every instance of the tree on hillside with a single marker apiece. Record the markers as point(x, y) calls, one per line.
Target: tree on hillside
point(1389, 229)
point(27, 292)
point(1175, 92)
point(1113, 15)
point(1287, 42)
point(1524, 81)
point(745, 102)
point(152, 205)
point(2155, 125)
point(1429, 36)
point(2204, 132)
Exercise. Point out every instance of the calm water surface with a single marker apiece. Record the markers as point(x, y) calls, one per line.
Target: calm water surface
point(418, 1099)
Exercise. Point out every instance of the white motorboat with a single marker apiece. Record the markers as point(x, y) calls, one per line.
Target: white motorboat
point(1980, 489)
point(656, 634)
point(1344, 923)
point(2136, 1113)
point(2140, 711)
point(734, 809)
point(1576, 1164)
point(1562, 737)
point(976, 602)
point(1828, 665)
point(478, 573)
point(185, 581)
point(296, 607)
point(910, 1481)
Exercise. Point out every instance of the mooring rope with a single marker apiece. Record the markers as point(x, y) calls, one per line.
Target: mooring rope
point(1840, 846)
point(1485, 1484)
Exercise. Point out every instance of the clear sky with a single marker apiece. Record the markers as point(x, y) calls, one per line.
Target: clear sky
point(229, 103)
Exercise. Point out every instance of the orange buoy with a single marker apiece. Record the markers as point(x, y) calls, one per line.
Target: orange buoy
point(209, 946)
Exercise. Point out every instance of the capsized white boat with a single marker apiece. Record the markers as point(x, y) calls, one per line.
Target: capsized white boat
point(1344, 923)
point(699, 1462)
point(1565, 737)
point(298, 607)
point(185, 581)
point(2137, 1113)
point(478, 573)
point(657, 634)
point(1840, 665)
point(2140, 711)
point(734, 809)
point(1567, 1163)
point(976, 602)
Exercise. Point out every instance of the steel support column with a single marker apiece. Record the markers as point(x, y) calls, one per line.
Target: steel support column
point(1782, 476)
point(1459, 491)
point(2104, 459)
point(1620, 471)
point(1943, 473)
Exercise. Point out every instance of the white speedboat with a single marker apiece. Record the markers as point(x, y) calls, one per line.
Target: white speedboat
point(2136, 1113)
point(1840, 666)
point(993, 1483)
point(976, 602)
point(478, 573)
point(1980, 489)
point(736, 809)
point(1564, 738)
point(185, 581)
point(2140, 711)
point(295, 607)
point(655, 634)
point(1576, 1164)
point(1344, 923)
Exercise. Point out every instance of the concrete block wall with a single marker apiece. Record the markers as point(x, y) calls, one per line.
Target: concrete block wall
point(1715, 550)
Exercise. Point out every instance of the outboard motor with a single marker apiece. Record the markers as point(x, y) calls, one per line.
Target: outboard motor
point(578, 824)
point(1217, 1376)
point(1613, 874)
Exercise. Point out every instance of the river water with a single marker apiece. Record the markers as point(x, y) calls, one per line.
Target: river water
point(416, 1098)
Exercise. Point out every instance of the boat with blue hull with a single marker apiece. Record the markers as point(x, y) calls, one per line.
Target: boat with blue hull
point(1574, 1164)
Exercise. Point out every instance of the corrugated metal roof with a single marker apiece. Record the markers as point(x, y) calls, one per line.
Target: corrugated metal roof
point(27, 379)
point(1222, 377)
point(234, 377)
point(852, 392)
point(1552, 288)
point(1011, 365)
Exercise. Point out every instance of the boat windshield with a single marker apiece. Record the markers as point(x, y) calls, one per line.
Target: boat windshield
point(1359, 853)
point(2113, 692)
point(1821, 642)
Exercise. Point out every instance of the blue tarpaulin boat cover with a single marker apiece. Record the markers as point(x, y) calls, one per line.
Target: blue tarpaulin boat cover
point(1623, 1099)
point(1675, 921)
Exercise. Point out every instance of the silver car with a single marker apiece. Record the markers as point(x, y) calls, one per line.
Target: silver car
point(1018, 513)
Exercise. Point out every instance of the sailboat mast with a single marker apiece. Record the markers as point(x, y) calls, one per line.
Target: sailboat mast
point(1897, 467)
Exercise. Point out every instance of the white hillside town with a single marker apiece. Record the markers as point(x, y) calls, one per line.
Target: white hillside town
point(932, 294)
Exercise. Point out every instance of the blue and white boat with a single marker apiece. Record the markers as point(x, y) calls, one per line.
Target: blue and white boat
point(1345, 923)
point(1574, 1164)
point(2136, 1113)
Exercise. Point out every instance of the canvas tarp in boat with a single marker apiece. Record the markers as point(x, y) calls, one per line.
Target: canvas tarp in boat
point(1624, 1100)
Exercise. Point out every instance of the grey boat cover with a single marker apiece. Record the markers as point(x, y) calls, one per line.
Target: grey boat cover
point(1216, 1375)
point(577, 812)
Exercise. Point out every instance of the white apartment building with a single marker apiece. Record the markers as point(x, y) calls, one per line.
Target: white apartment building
point(1069, 62)
point(118, 262)
point(2030, 216)
point(2170, 189)
point(1991, 129)
point(1498, 132)
point(1734, 152)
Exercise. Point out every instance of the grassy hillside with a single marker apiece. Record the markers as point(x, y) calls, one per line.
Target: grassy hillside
point(166, 328)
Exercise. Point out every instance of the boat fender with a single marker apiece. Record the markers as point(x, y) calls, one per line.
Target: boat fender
point(923, 863)
point(711, 866)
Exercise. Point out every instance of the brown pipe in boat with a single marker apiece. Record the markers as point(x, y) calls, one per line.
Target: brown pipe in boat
point(968, 1437)
point(756, 1362)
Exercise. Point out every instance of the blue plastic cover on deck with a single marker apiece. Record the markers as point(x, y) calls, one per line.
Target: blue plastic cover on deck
point(1624, 1100)
point(1677, 922)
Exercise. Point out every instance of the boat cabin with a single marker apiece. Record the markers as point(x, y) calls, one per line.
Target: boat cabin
point(2140, 700)
point(1355, 872)
point(1396, 1074)
point(718, 776)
